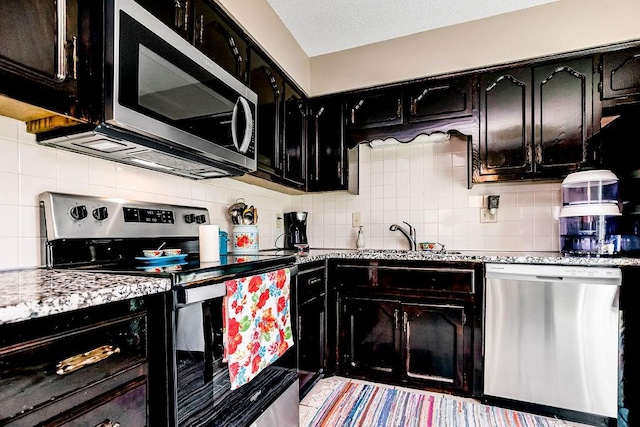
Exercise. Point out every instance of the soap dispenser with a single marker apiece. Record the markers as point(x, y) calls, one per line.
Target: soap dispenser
point(360, 241)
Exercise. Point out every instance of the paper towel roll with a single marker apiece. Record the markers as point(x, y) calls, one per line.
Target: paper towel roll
point(209, 243)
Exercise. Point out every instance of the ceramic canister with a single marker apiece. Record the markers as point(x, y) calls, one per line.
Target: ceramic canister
point(245, 239)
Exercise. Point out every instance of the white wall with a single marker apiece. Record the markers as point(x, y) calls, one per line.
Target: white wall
point(426, 185)
point(27, 169)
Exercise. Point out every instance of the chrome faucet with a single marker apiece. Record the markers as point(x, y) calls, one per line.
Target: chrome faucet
point(411, 235)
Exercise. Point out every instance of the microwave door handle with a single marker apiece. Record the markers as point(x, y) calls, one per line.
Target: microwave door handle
point(246, 140)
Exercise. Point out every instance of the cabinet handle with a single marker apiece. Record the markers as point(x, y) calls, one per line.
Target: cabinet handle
point(108, 423)
point(78, 361)
point(201, 32)
point(314, 280)
point(405, 321)
point(181, 15)
point(399, 110)
point(414, 106)
point(299, 328)
point(61, 72)
point(74, 52)
point(395, 318)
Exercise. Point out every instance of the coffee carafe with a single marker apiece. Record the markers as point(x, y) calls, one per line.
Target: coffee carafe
point(295, 229)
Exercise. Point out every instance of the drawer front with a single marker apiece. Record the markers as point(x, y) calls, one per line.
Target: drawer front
point(125, 406)
point(311, 284)
point(407, 278)
point(52, 368)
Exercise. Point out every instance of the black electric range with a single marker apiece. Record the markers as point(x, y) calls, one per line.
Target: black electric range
point(108, 235)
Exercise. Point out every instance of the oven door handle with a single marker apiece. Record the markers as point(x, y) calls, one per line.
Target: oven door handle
point(217, 289)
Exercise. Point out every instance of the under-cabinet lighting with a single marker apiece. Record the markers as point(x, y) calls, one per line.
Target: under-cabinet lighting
point(149, 164)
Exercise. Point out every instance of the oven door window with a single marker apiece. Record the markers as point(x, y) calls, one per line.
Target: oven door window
point(159, 81)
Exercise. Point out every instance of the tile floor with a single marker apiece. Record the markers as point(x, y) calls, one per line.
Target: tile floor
point(316, 396)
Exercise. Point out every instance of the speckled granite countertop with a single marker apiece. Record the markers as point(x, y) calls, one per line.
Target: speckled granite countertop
point(38, 292)
point(467, 256)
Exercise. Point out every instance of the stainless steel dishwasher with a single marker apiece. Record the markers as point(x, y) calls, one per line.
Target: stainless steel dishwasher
point(551, 336)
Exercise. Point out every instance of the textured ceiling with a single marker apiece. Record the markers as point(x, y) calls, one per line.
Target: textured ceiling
point(325, 26)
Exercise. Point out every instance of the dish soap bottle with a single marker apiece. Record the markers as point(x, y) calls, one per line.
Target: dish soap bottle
point(360, 241)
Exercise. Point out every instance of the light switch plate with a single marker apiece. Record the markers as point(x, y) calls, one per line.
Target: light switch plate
point(487, 216)
point(356, 219)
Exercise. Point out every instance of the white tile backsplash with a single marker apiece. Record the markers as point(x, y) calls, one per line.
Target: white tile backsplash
point(419, 183)
point(28, 169)
point(426, 185)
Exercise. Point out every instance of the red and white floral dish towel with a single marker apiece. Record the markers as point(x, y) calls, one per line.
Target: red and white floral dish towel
point(257, 320)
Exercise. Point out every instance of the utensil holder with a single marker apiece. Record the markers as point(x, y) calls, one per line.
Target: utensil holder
point(245, 239)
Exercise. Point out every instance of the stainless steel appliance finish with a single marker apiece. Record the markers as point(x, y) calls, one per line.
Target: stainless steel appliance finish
point(166, 105)
point(71, 216)
point(551, 336)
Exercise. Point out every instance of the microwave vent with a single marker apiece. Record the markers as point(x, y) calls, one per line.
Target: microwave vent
point(168, 161)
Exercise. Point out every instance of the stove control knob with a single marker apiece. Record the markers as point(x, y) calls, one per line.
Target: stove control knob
point(78, 212)
point(100, 213)
point(201, 219)
point(189, 218)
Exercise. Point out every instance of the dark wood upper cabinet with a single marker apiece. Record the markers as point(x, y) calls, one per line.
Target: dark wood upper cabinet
point(505, 122)
point(534, 121)
point(621, 74)
point(175, 14)
point(216, 39)
point(374, 108)
point(294, 137)
point(326, 165)
point(563, 102)
point(38, 53)
point(268, 85)
point(433, 100)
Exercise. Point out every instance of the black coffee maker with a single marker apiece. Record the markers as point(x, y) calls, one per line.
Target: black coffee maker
point(295, 229)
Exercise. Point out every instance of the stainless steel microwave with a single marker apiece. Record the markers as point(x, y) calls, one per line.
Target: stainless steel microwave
point(165, 105)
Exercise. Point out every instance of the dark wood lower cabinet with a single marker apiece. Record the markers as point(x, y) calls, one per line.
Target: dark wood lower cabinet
point(412, 323)
point(369, 337)
point(418, 343)
point(310, 327)
point(48, 379)
point(434, 343)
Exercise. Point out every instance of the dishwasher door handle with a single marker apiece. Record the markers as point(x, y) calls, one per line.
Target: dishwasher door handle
point(550, 278)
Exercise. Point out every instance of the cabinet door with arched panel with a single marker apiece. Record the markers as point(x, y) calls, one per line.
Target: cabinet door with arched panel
point(434, 100)
point(563, 101)
point(621, 75)
point(216, 38)
point(505, 123)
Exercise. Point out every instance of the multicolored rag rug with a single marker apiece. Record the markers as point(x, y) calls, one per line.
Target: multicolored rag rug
point(361, 404)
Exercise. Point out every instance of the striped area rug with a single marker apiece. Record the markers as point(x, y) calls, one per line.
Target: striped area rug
point(349, 403)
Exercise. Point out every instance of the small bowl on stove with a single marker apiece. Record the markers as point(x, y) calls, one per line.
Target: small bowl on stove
point(171, 252)
point(152, 253)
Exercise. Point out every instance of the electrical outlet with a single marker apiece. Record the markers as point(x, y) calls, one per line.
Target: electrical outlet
point(487, 216)
point(356, 219)
point(279, 221)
